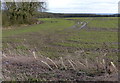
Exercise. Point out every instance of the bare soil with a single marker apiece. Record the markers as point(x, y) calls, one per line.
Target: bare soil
point(22, 68)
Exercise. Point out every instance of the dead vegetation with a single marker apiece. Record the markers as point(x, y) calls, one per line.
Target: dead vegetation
point(21, 68)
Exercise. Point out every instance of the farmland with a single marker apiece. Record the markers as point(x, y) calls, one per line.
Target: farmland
point(82, 49)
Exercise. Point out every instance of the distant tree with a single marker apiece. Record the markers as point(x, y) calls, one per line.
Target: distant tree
point(21, 12)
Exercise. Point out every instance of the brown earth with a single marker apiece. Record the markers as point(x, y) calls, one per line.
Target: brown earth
point(24, 68)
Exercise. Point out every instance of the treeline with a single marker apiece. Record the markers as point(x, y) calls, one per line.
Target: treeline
point(17, 13)
point(50, 15)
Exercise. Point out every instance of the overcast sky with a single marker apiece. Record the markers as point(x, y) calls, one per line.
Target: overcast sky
point(83, 6)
